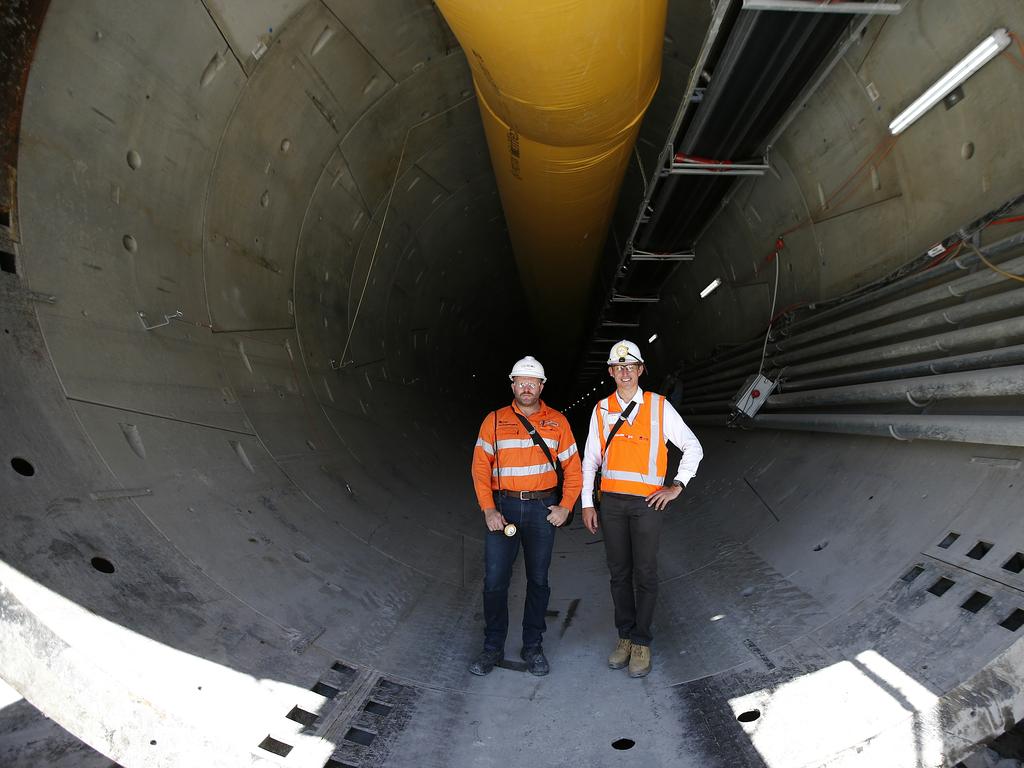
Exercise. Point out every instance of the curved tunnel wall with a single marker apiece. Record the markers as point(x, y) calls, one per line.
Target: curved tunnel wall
point(278, 523)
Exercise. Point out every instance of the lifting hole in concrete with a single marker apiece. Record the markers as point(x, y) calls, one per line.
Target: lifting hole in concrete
point(912, 574)
point(22, 466)
point(8, 263)
point(947, 542)
point(976, 602)
point(102, 565)
point(134, 159)
point(152, 742)
point(1015, 564)
point(327, 691)
point(300, 715)
point(967, 150)
point(941, 587)
point(623, 744)
point(129, 244)
point(979, 550)
point(359, 736)
point(277, 747)
point(376, 708)
point(820, 545)
point(749, 716)
point(1014, 621)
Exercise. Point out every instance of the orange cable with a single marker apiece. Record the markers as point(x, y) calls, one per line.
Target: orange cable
point(1011, 57)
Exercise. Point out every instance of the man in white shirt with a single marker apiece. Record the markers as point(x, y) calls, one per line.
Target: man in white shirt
point(627, 441)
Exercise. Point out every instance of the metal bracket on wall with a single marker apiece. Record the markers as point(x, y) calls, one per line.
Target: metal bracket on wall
point(167, 320)
point(620, 299)
point(814, 6)
point(647, 256)
point(45, 298)
point(684, 165)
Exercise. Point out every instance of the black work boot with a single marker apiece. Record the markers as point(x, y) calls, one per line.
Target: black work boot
point(485, 662)
point(536, 661)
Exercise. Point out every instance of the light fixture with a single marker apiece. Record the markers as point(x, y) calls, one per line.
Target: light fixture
point(986, 50)
point(711, 287)
point(653, 337)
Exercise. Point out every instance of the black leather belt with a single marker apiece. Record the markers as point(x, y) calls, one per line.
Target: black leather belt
point(526, 495)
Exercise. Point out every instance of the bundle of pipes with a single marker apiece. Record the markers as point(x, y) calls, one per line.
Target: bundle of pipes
point(860, 359)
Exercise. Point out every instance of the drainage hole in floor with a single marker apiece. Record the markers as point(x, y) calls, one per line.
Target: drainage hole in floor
point(623, 743)
point(376, 708)
point(359, 736)
point(749, 716)
point(22, 466)
point(276, 747)
point(102, 565)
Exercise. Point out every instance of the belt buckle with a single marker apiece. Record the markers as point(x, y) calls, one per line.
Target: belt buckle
point(522, 496)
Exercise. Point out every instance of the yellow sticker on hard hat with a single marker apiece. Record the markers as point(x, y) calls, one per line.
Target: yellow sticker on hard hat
point(622, 350)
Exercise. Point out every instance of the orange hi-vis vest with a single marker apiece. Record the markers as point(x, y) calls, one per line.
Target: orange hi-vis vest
point(636, 461)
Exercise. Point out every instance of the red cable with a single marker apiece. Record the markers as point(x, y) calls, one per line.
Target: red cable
point(680, 157)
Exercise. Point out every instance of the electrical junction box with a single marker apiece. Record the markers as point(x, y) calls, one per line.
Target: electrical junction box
point(752, 395)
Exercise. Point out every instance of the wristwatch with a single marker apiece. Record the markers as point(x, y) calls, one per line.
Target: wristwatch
point(678, 483)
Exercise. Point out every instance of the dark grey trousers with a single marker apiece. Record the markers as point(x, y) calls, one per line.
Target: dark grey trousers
point(632, 531)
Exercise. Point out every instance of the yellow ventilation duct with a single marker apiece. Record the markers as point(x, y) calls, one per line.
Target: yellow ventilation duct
point(562, 87)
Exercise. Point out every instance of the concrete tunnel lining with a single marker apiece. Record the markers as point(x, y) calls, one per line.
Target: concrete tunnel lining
point(282, 517)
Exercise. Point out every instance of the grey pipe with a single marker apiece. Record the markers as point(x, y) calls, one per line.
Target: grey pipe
point(718, 406)
point(920, 278)
point(952, 289)
point(987, 430)
point(722, 389)
point(961, 263)
point(1009, 301)
point(999, 333)
point(997, 382)
point(989, 358)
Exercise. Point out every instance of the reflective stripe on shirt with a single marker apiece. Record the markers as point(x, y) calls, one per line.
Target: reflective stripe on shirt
point(524, 443)
point(536, 469)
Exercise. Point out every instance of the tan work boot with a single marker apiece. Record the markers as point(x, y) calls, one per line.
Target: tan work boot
point(640, 661)
point(620, 656)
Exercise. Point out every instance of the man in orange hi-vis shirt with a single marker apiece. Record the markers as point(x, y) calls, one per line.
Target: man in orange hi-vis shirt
point(516, 482)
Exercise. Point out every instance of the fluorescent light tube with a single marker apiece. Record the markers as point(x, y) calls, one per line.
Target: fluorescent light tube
point(653, 337)
point(986, 50)
point(711, 287)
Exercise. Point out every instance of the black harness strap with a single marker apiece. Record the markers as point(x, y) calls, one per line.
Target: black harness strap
point(618, 424)
point(537, 439)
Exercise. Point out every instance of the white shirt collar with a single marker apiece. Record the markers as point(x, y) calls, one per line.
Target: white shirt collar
point(638, 398)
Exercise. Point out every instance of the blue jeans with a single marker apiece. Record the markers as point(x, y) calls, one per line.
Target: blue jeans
point(537, 536)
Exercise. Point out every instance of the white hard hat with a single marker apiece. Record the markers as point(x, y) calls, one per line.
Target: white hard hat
point(528, 366)
point(624, 352)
